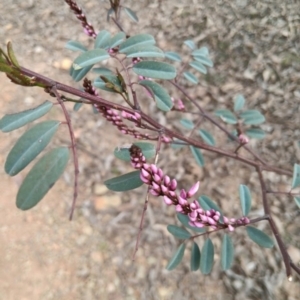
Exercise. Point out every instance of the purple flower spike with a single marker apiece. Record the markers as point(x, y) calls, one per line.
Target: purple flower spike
point(193, 190)
point(145, 174)
point(167, 200)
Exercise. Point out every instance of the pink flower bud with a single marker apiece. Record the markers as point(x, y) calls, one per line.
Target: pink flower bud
point(160, 173)
point(147, 167)
point(154, 193)
point(183, 194)
point(164, 189)
point(199, 224)
point(193, 216)
point(167, 200)
point(167, 180)
point(157, 178)
point(153, 168)
point(144, 179)
point(204, 219)
point(179, 208)
point(193, 190)
point(230, 228)
point(243, 139)
point(173, 184)
point(172, 194)
point(155, 186)
point(212, 221)
point(182, 201)
point(145, 174)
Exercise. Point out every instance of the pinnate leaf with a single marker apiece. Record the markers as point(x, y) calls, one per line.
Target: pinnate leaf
point(176, 258)
point(75, 46)
point(173, 56)
point(207, 257)
point(190, 44)
point(144, 51)
point(188, 124)
point(90, 58)
point(252, 117)
point(77, 75)
point(178, 232)
point(259, 237)
point(197, 155)
point(226, 115)
point(190, 77)
point(255, 133)
point(29, 146)
point(137, 40)
point(102, 40)
point(239, 102)
point(125, 182)
point(160, 94)
point(131, 14)
point(206, 203)
point(42, 177)
point(14, 121)
point(245, 197)
point(155, 69)
point(198, 66)
point(117, 39)
point(207, 137)
point(227, 252)
point(195, 257)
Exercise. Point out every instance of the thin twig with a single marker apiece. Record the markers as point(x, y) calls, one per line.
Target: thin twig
point(73, 146)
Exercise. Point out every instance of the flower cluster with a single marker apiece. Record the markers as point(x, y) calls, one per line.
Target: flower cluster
point(117, 120)
point(178, 104)
point(87, 27)
point(163, 185)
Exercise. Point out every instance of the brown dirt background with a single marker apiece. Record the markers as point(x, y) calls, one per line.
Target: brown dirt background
point(255, 46)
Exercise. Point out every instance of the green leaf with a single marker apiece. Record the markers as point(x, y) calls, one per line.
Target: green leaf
point(255, 133)
point(296, 176)
point(206, 203)
point(90, 58)
point(102, 40)
point(179, 232)
point(29, 146)
point(195, 257)
point(198, 66)
point(239, 102)
point(160, 94)
point(297, 201)
point(190, 77)
point(207, 137)
point(144, 51)
point(139, 39)
point(184, 220)
point(252, 117)
point(155, 69)
point(173, 56)
point(176, 258)
point(42, 177)
point(188, 124)
point(117, 40)
point(77, 75)
point(132, 15)
point(14, 121)
point(227, 252)
point(75, 46)
point(103, 71)
point(204, 60)
point(259, 237)
point(245, 197)
point(77, 106)
point(198, 156)
point(190, 44)
point(11, 55)
point(207, 257)
point(226, 115)
point(125, 182)
point(147, 149)
point(203, 51)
